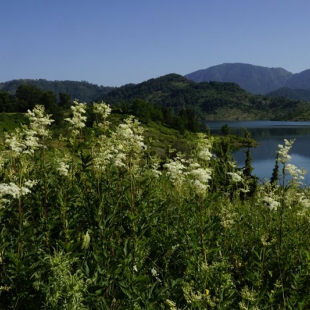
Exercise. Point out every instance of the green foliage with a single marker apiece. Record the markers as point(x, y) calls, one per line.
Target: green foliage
point(100, 222)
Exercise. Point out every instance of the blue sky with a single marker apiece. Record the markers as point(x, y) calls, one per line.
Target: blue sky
point(115, 42)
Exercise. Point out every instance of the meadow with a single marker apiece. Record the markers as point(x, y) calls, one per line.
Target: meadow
point(96, 219)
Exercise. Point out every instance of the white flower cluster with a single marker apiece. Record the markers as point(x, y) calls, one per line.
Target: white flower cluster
point(176, 171)
point(62, 164)
point(21, 141)
point(78, 119)
point(204, 145)
point(128, 143)
point(271, 202)
point(283, 151)
point(103, 110)
point(296, 174)
point(199, 178)
point(14, 190)
point(197, 173)
point(39, 121)
point(25, 140)
point(102, 154)
point(236, 176)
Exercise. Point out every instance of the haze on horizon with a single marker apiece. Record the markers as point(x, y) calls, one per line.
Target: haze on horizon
point(113, 43)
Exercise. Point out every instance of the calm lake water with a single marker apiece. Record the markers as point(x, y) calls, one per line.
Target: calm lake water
point(269, 134)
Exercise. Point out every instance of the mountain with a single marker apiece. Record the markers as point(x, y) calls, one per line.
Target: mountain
point(210, 100)
point(84, 91)
point(299, 80)
point(291, 93)
point(253, 79)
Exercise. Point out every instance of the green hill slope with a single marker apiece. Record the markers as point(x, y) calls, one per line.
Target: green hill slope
point(210, 100)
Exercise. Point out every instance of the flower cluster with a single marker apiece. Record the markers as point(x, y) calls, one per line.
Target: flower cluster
point(195, 169)
point(103, 110)
point(14, 190)
point(283, 151)
point(78, 119)
point(39, 121)
point(128, 143)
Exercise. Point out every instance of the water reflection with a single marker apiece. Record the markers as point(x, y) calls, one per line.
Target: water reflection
point(269, 135)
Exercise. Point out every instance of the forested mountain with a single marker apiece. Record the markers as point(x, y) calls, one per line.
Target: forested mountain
point(210, 100)
point(299, 80)
point(84, 91)
point(253, 79)
point(291, 93)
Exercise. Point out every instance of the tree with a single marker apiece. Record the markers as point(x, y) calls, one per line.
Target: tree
point(225, 130)
point(275, 172)
point(64, 100)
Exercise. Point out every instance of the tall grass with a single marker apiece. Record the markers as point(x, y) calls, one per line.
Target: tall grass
point(101, 224)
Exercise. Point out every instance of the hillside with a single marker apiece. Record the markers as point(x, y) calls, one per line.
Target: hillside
point(253, 79)
point(210, 100)
point(299, 80)
point(84, 91)
point(291, 93)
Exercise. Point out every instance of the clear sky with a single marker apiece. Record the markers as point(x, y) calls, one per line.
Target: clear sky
point(115, 42)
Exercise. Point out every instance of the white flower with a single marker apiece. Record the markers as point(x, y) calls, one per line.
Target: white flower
point(283, 151)
point(14, 190)
point(39, 120)
point(296, 174)
point(78, 120)
point(176, 171)
point(236, 177)
point(203, 148)
point(271, 203)
point(102, 109)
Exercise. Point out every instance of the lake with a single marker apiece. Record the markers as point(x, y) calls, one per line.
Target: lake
point(269, 134)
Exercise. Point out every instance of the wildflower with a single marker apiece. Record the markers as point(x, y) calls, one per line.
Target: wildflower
point(78, 120)
point(128, 144)
point(15, 143)
point(207, 292)
point(271, 203)
point(296, 174)
point(203, 147)
point(103, 110)
point(283, 151)
point(39, 120)
point(176, 171)
point(235, 176)
point(14, 190)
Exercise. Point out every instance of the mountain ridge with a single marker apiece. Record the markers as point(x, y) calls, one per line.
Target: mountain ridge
point(252, 78)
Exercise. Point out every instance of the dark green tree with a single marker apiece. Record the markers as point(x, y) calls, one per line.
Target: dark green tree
point(225, 130)
point(64, 100)
point(247, 171)
point(275, 172)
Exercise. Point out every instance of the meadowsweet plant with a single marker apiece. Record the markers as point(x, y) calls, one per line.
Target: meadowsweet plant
point(78, 119)
point(128, 144)
point(39, 121)
point(126, 229)
point(102, 111)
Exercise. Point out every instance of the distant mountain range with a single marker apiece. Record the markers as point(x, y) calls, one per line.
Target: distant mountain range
point(257, 79)
point(84, 91)
point(209, 100)
point(253, 79)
